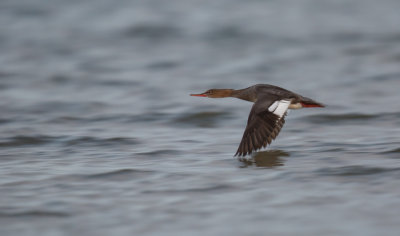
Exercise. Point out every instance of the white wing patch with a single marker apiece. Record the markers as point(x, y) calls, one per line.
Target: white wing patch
point(279, 107)
point(273, 107)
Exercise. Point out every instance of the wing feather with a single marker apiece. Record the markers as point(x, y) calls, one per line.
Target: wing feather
point(263, 125)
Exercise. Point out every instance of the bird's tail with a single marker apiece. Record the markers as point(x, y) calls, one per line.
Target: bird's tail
point(308, 102)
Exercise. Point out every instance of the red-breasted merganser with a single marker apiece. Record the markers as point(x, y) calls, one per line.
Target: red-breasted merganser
point(267, 115)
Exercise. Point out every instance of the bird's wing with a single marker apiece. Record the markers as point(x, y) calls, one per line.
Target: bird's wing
point(266, 119)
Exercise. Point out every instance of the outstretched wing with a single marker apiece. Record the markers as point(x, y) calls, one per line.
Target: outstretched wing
point(266, 119)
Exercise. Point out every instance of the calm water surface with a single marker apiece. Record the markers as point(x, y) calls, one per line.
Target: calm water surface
point(99, 136)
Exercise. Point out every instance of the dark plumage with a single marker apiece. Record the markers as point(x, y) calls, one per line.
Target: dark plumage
point(267, 116)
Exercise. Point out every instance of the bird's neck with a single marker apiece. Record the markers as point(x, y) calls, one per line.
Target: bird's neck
point(244, 94)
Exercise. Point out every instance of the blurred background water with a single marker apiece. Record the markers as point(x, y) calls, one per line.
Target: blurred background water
point(98, 134)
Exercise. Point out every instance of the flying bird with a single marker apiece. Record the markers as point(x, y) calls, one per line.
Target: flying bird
point(267, 115)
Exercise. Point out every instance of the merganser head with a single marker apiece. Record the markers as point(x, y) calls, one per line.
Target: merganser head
point(215, 93)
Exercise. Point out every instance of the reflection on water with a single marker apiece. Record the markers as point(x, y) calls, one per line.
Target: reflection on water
point(269, 159)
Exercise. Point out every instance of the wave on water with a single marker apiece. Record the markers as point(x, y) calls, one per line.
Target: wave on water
point(113, 175)
point(160, 152)
point(3, 121)
point(93, 141)
point(121, 174)
point(233, 32)
point(385, 77)
point(18, 141)
point(202, 119)
point(34, 213)
point(213, 188)
point(349, 117)
point(354, 170)
point(396, 150)
point(152, 31)
point(120, 118)
point(392, 153)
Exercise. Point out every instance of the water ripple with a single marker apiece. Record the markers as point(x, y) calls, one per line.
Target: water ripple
point(160, 152)
point(18, 141)
point(354, 170)
point(348, 117)
point(34, 213)
point(396, 150)
point(152, 31)
point(202, 119)
point(113, 175)
point(214, 188)
point(121, 174)
point(93, 141)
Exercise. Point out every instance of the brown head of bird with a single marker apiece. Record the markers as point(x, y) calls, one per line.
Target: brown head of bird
point(215, 93)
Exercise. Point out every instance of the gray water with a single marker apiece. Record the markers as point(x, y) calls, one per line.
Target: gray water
point(99, 136)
